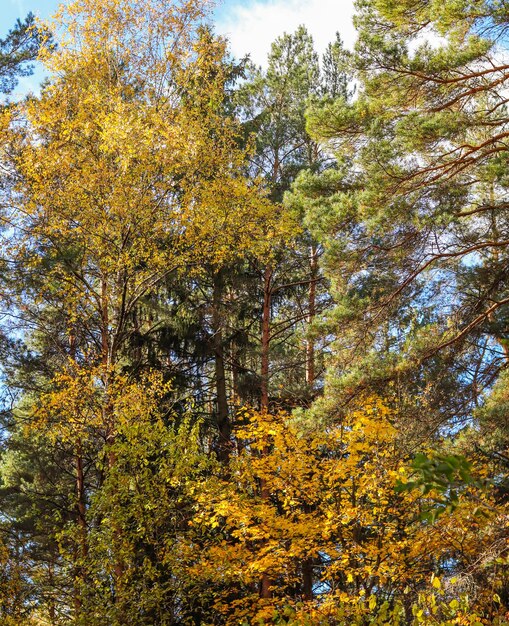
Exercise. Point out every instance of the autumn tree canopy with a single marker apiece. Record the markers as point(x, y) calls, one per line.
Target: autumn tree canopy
point(254, 335)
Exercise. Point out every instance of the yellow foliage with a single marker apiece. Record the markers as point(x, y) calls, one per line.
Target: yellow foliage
point(128, 170)
point(331, 506)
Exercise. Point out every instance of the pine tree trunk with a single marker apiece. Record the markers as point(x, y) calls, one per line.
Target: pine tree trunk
point(80, 502)
point(267, 296)
point(223, 419)
point(265, 582)
point(80, 495)
point(310, 344)
point(52, 611)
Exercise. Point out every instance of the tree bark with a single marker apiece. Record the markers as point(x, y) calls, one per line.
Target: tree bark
point(265, 583)
point(267, 297)
point(307, 579)
point(223, 418)
point(310, 344)
point(80, 500)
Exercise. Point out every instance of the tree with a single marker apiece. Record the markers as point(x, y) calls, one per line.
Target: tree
point(273, 103)
point(413, 215)
point(339, 544)
point(183, 256)
point(18, 51)
point(123, 168)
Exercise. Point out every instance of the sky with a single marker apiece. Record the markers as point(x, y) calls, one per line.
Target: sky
point(250, 25)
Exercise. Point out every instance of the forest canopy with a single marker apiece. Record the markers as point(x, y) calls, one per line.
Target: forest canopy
point(255, 320)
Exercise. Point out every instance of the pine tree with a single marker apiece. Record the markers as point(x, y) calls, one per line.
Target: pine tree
point(412, 215)
point(122, 168)
point(19, 50)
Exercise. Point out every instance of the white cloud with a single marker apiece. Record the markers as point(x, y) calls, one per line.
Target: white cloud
point(252, 25)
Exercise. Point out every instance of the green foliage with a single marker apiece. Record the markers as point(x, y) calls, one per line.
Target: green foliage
point(443, 475)
point(256, 337)
point(19, 50)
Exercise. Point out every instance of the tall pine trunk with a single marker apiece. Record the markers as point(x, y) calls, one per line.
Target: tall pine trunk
point(223, 418)
point(81, 509)
point(265, 582)
point(267, 297)
point(310, 344)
